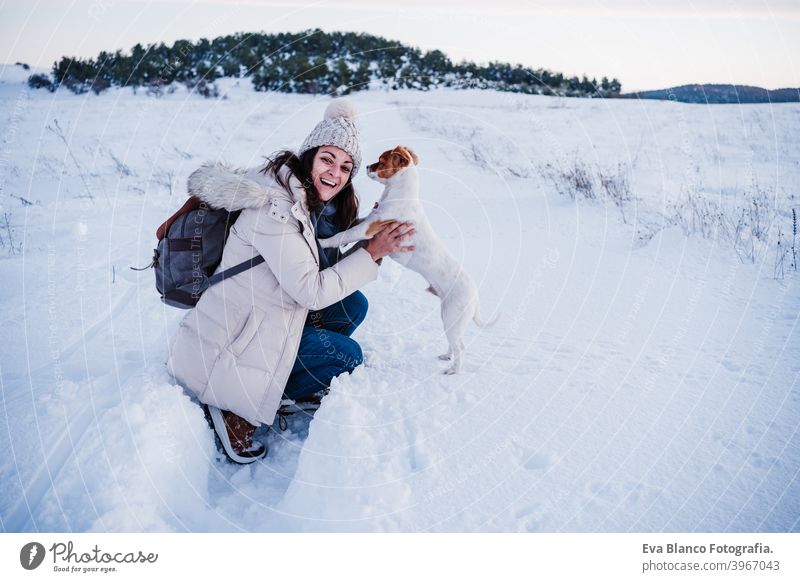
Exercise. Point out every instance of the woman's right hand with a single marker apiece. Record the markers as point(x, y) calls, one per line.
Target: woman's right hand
point(389, 240)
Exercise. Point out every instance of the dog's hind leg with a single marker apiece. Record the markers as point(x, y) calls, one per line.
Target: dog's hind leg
point(449, 354)
point(455, 324)
point(458, 351)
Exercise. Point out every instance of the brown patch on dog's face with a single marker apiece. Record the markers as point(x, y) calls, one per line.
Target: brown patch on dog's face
point(391, 162)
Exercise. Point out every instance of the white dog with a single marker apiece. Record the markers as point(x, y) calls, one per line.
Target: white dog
point(400, 202)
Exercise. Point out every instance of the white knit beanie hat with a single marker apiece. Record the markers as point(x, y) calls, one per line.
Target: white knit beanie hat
point(337, 128)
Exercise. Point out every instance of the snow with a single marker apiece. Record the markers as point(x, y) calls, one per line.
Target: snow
point(639, 378)
point(16, 75)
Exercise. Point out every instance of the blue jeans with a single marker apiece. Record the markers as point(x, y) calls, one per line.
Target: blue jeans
point(326, 349)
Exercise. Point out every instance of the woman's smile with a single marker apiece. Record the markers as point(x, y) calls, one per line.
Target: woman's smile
point(330, 171)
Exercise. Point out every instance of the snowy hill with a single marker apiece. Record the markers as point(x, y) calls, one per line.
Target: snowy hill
point(643, 375)
point(17, 74)
point(721, 94)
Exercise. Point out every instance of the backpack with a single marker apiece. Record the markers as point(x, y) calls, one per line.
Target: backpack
point(190, 245)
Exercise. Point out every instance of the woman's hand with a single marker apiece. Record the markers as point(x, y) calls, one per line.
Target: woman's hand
point(389, 240)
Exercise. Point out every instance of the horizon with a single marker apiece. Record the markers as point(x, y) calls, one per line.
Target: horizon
point(739, 42)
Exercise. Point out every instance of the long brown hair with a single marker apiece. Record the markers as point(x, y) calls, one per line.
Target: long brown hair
point(346, 200)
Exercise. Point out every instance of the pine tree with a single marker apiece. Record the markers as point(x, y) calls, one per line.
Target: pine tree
point(309, 62)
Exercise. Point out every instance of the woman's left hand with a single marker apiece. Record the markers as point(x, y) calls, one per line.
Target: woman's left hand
point(389, 240)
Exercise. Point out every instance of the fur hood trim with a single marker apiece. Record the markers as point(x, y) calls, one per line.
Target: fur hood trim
point(223, 186)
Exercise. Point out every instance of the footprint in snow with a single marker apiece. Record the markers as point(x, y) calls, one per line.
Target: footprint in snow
point(731, 366)
point(536, 461)
point(631, 494)
point(529, 518)
point(604, 491)
point(764, 463)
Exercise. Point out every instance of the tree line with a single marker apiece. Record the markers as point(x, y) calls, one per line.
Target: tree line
point(313, 62)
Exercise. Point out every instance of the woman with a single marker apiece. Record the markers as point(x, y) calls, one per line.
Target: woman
point(284, 325)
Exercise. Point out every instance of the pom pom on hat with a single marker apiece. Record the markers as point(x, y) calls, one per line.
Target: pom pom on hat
point(341, 108)
point(338, 128)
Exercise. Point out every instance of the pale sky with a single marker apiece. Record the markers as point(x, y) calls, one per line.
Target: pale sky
point(645, 44)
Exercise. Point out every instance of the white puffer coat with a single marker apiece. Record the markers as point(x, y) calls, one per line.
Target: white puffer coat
point(236, 348)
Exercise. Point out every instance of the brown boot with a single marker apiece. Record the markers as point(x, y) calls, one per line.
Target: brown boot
point(235, 435)
point(240, 432)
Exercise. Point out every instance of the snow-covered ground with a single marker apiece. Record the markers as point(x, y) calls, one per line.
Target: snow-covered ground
point(639, 379)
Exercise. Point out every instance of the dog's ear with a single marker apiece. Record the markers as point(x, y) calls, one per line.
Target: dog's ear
point(413, 156)
point(399, 158)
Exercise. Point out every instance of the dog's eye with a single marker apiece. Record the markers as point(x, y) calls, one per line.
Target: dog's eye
point(399, 160)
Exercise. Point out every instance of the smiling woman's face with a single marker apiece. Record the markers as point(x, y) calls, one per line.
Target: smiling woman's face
point(330, 171)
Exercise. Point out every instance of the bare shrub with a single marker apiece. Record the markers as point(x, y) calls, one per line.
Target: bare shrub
point(183, 154)
point(161, 176)
point(56, 129)
point(779, 269)
point(615, 186)
point(122, 169)
point(696, 214)
point(754, 218)
point(576, 180)
point(746, 225)
point(794, 239)
point(7, 241)
point(786, 250)
point(573, 180)
point(166, 178)
point(580, 182)
point(746, 219)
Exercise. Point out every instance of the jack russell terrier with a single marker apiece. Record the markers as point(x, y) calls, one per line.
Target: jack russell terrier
point(400, 202)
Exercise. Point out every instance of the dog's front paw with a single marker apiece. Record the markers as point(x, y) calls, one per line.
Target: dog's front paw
point(378, 225)
point(446, 357)
point(450, 371)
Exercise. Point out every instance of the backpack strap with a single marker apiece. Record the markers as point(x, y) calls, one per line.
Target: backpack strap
point(235, 270)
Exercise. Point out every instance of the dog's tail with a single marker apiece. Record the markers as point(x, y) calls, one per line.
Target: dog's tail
point(480, 323)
